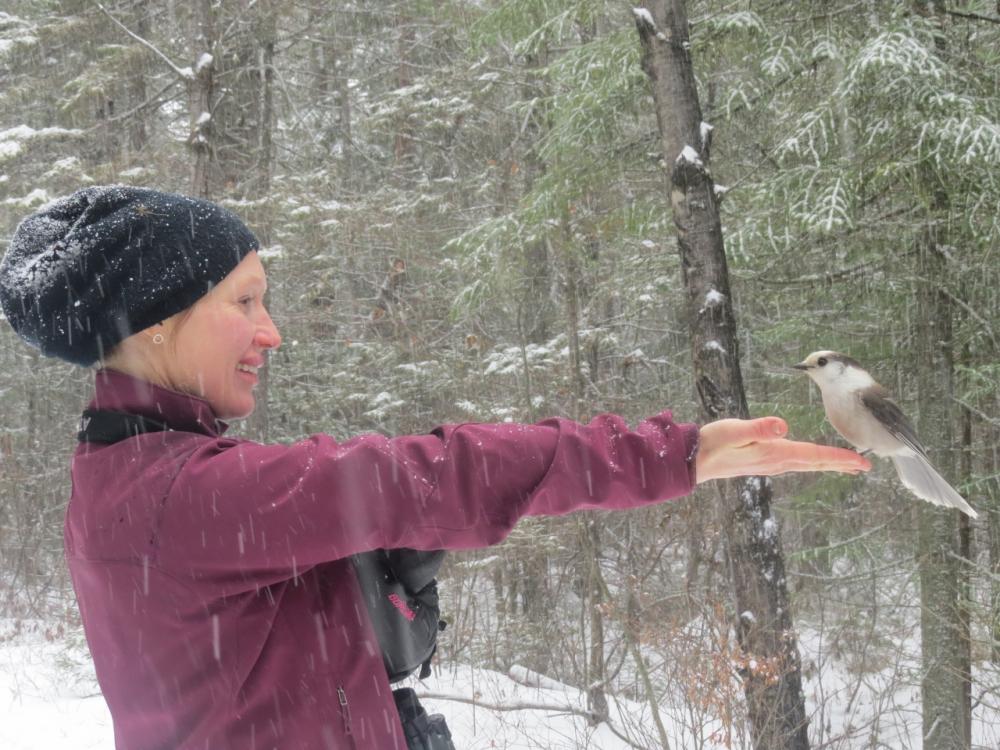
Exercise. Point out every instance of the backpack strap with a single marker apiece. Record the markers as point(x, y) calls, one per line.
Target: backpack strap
point(107, 426)
point(414, 568)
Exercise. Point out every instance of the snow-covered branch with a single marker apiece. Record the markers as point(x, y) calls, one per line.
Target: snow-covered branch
point(511, 705)
point(645, 19)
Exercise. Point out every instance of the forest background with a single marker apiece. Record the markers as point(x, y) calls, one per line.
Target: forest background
point(466, 214)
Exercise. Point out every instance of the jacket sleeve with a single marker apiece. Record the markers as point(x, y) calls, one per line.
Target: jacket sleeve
point(274, 510)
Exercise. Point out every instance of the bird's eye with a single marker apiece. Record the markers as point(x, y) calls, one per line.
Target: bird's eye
point(821, 361)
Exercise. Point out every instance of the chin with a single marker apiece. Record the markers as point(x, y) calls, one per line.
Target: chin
point(241, 414)
point(234, 411)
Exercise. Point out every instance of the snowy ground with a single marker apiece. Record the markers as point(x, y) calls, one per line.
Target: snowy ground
point(49, 701)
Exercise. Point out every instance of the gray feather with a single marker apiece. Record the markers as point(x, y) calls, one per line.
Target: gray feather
point(885, 410)
point(918, 476)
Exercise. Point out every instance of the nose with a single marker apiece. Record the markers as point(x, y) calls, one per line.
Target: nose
point(267, 333)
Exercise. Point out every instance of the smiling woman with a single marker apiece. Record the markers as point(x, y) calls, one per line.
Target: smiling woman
point(214, 349)
point(214, 574)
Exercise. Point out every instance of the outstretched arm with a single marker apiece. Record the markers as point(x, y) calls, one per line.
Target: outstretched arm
point(747, 447)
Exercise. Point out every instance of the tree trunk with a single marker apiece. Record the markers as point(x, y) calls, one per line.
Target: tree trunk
point(632, 631)
point(772, 672)
point(993, 531)
point(266, 39)
point(943, 666)
point(259, 186)
point(945, 661)
point(138, 133)
point(201, 98)
point(589, 532)
point(342, 69)
point(965, 601)
point(590, 538)
point(403, 145)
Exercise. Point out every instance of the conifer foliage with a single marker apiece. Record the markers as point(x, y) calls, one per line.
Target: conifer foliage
point(465, 217)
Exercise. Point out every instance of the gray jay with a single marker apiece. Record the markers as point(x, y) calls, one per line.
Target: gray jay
point(862, 412)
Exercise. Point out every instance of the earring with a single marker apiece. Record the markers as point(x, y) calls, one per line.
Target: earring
point(157, 338)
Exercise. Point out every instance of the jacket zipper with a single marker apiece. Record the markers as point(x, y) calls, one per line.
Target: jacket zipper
point(345, 712)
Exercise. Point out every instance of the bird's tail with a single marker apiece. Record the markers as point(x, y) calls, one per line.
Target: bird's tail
point(922, 480)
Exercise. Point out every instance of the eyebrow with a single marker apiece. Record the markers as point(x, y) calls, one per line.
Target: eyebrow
point(256, 281)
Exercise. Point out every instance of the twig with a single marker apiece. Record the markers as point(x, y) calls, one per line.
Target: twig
point(154, 99)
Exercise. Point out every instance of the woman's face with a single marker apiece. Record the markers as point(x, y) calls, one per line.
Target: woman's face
point(217, 346)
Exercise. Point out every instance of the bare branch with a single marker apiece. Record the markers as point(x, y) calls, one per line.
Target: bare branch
point(974, 315)
point(525, 706)
point(972, 16)
point(824, 277)
point(185, 73)
point(556, 708)
point(978, 412)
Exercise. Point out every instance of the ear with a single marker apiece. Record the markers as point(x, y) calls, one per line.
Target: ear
point(155, 334)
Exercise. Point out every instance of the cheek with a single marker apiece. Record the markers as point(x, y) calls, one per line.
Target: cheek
point(231, 334)
point(242, 333)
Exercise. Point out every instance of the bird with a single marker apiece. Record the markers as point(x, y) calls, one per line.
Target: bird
point(863, 413)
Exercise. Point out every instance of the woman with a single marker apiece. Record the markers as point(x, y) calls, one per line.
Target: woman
point(212, 573)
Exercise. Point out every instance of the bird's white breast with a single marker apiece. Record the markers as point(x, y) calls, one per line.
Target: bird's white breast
point(858, 426)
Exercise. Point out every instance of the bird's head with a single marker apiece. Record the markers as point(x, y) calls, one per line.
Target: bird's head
point(835, 371)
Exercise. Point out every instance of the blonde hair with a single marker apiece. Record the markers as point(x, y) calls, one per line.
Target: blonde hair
point(140, 355)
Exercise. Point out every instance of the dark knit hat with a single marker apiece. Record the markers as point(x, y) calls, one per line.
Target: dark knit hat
point(91, 269)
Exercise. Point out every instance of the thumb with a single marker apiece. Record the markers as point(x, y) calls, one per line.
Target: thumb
point(736, 432)
point(769, 428)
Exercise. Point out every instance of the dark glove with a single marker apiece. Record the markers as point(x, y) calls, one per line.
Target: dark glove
point(422, 731)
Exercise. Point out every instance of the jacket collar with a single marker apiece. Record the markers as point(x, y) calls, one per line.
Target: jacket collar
point(118, 391)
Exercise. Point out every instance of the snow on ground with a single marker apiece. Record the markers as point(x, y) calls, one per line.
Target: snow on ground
point(49, 700)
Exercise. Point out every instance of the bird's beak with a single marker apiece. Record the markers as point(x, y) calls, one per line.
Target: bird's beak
point(801, 366)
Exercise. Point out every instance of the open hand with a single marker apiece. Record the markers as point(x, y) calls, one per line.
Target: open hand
point(748, 447)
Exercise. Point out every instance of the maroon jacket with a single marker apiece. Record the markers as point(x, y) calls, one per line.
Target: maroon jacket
point(212, 573)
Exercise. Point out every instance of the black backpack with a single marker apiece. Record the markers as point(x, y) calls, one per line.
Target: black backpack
point(398, 585)
point(401, 593)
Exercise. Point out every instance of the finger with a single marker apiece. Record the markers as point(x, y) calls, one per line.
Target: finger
point(795, 456)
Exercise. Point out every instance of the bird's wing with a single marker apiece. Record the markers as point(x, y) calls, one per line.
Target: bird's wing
point(885, 410)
